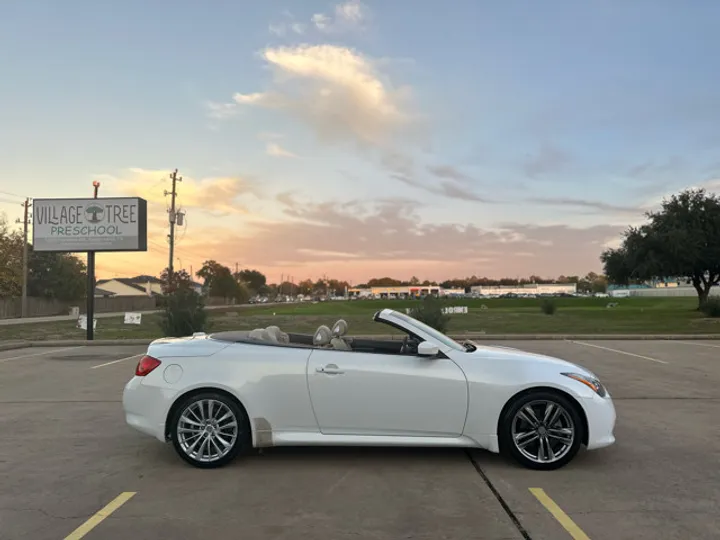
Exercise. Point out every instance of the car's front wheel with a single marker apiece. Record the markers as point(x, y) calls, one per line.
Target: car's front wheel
point(209, 430)
point(541, 430)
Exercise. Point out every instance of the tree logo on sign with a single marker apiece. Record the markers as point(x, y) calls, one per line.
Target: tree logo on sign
point(94, 213)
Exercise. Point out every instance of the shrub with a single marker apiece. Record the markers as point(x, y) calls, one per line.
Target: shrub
point(711, 307)
point(430, 311)
point(548, 306)
point(183, 314)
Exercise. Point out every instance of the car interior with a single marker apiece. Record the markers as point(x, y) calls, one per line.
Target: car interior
point(323, 338)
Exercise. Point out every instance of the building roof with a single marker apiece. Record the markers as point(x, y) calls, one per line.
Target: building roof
point(129, 282)
point(145, 278)
point(103, 292)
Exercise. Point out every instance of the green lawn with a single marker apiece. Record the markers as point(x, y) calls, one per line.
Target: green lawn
point(500, 316)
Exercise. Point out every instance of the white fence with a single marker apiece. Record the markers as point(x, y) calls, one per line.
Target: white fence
point(664, 292)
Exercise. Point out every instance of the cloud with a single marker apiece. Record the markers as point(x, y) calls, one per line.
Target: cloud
point(217, 195)
point(597, 206)
point(221, 111)
point(334, 90)
point(348, 16)
point(549, 159)
point(269, 136)
point(385, 235)
point(452, 183)
point(275, 150)
point(277, 29)
point(448, 171)
point(320, 20)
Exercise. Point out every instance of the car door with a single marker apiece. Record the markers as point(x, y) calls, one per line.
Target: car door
point(357, 393)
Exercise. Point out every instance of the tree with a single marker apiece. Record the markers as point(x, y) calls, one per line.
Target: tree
point(181, 280)
point(384, 282)
point(220, 282)
point(183, 314)
point(306, 287)
point(254, 279)
point(61, 276)
point(680, 240)
point(11, 260)
point(430, 311)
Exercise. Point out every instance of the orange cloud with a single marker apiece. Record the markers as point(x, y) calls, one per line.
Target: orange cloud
point(357, 241)
point(215, 195)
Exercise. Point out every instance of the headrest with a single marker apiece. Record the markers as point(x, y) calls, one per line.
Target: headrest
point(322, 336)
point(277, 335)
point(340, 328)
point(260, 334)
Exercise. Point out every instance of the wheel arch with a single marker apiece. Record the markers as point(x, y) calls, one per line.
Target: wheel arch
point(195, 391)
point(573, 400)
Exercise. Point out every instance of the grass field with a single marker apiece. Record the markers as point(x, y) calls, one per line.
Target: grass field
point(500, 316)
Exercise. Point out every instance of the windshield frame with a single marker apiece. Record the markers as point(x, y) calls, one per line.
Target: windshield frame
point(436, 335)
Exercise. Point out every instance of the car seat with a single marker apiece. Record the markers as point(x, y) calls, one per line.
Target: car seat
point(277, 335)
point(338, 342)
point(260, 334)
point(322, 337)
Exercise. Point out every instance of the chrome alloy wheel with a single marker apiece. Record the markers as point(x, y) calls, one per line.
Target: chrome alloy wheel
point(543, 431)
point(207, 430)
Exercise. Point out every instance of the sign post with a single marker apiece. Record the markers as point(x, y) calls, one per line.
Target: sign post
point(90, 225)
point(90, 301)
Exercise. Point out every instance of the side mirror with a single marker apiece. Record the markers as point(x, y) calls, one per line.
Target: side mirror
point(428, 349)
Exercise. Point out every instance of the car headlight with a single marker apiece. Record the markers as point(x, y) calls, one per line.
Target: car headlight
point(591, 382)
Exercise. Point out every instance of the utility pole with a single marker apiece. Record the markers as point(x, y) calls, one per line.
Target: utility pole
point(175, 179)
point(26, 219)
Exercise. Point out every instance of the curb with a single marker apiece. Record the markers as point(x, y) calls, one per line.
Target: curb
point(73, 343)
point(460, 337)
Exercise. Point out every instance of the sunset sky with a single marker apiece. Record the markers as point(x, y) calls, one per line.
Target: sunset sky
point(363, 139)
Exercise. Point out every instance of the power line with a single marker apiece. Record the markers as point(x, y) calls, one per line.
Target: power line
point(12, 194)
point(8, 201)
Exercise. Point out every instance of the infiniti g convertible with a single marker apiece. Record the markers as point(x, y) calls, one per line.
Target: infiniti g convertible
point(217, 396)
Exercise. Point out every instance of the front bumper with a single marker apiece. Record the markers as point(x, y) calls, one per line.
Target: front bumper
point(145, 407)
point(601, 419)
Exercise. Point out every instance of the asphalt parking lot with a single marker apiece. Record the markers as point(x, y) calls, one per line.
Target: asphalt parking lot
point(66, 453)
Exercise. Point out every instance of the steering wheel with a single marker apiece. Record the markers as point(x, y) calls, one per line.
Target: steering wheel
point(409, 346)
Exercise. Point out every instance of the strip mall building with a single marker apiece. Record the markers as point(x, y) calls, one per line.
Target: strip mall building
point(403, 291)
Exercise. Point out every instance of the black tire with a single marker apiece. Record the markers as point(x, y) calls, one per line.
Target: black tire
point(534, 399)
point(239, 445)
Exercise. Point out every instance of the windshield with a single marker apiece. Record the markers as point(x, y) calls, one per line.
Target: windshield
point(429, 330)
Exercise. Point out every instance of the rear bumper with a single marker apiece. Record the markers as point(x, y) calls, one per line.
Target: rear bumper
point(145, 407)
point(601, 419)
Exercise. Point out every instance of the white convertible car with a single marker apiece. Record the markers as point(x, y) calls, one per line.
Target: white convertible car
point(219, 395)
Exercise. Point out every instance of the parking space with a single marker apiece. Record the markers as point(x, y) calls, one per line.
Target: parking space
point(66, 453)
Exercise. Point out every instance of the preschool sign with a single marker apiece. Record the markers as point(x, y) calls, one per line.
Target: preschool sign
point(75, 225)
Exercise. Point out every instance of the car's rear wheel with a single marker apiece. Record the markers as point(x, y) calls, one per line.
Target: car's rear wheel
point(542, 430)
point(209, 430)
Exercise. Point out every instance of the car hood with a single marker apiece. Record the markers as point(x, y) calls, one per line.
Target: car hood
point(498, 352)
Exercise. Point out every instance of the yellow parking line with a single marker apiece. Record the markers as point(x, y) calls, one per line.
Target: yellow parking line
point(96, 519)
point(564, 520)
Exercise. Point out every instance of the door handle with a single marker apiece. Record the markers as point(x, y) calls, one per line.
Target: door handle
point(330, 369)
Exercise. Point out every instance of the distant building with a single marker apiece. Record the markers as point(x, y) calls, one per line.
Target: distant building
point(123, 287)
point(530, 288)
point(136, 286)
point(403, 291)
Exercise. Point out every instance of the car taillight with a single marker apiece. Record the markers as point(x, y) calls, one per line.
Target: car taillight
point(146, 365)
